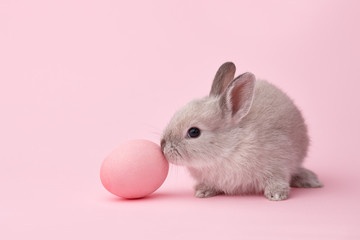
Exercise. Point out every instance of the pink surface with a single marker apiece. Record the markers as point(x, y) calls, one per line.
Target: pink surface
point(79, 77)
point(134, 169)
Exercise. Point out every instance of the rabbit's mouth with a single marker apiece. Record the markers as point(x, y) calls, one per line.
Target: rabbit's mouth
point(173, 155)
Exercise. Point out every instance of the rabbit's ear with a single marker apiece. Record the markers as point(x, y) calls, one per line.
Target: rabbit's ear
point(222, 79)
point(239, 96)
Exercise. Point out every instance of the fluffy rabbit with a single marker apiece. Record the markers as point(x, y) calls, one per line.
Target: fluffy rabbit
point(247, 136)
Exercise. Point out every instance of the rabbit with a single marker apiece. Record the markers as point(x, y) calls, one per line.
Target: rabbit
point(246, 137)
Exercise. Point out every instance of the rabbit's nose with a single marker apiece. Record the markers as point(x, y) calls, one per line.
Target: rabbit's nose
point(162, 144)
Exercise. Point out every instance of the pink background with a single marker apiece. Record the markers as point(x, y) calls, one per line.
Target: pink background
point(79, 77)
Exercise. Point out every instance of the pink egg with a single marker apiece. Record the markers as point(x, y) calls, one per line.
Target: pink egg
point(134, 169)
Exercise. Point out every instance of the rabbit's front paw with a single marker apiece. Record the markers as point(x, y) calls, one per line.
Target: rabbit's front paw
point(202, 191)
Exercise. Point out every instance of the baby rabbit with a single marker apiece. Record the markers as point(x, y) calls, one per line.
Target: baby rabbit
point(247, 136)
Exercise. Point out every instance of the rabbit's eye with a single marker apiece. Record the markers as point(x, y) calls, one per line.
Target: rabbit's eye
point(193, 132)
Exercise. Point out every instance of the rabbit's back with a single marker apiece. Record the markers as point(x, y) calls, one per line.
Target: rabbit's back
point(275, 128)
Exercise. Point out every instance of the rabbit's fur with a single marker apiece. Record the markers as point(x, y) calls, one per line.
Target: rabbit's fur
point(253, 139)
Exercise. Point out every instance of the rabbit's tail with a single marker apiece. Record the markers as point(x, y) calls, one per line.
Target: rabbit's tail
point(305, 178)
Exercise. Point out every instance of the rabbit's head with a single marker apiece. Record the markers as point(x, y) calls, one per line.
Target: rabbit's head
point(202, 132)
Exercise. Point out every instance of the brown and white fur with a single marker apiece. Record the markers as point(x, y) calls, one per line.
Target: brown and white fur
point(253, 139)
